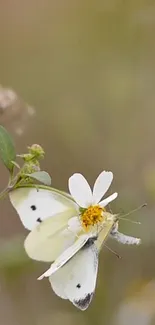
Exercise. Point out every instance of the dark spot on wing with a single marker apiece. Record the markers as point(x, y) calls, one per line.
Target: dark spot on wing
point(84, 303)
point(39, 220)
point(33, 207)
point(78, 286)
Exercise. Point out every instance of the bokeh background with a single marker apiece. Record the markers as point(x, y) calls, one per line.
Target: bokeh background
point(78, 77)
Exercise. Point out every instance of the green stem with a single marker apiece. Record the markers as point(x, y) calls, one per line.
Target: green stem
point(10, 186)
point(44, 187)
point(5, 192)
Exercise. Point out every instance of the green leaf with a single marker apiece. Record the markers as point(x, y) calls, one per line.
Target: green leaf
point(41, 176)
point(7, 149)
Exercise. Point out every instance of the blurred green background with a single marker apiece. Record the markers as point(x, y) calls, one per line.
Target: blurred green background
point(87, 71)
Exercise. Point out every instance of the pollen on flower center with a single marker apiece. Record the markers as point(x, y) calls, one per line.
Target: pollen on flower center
point(92, 216)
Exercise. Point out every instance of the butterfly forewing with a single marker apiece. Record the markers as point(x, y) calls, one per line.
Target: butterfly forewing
point(76, 280)
point(34, 205)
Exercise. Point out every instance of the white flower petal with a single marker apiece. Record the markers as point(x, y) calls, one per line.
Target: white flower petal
point(108, 200)
point(80, 190)
point(101, 185)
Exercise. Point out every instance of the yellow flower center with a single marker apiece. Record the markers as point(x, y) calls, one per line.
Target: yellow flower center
point(92, 216)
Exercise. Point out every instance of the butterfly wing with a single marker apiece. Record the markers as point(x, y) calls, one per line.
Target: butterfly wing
point(50, 238)
point(76, 280)
point(35, 204)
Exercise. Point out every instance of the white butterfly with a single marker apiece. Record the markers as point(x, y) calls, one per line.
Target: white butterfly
point(62, 230)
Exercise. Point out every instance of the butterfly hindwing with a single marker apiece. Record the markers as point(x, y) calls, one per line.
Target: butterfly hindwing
point(66, 255)
point(50, 238)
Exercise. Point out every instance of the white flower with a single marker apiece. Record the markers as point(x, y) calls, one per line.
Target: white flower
point(90, 203)
point(84, 196)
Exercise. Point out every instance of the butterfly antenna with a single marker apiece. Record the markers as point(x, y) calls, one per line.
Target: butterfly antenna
point(111, 250)
point(133, 211)
point(125, 219)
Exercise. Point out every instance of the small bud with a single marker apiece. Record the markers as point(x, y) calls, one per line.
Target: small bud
point(28, 168)
point(36, 150)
